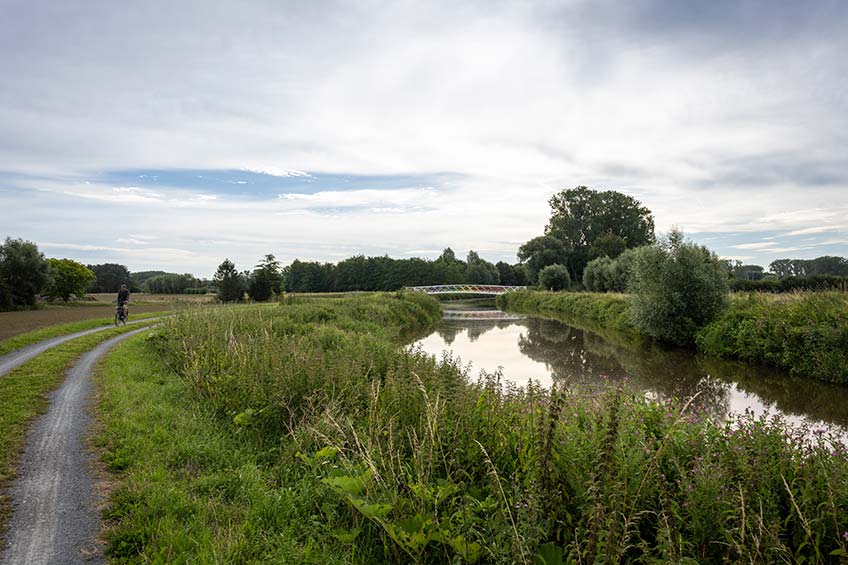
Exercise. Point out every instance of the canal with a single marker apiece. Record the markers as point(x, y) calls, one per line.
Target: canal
point(523, 348)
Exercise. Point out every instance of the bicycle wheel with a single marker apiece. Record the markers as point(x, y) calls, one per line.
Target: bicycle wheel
point(117, 318)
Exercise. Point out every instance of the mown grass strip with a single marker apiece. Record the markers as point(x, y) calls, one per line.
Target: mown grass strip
point(23, 396)
point(187, 488)
point(28, 338)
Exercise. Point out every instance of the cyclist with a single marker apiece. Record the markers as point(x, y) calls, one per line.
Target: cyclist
point(123, 299)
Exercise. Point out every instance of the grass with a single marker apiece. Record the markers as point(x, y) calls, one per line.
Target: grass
point(23, 339)
point(23, 396)
point(805, 333)
point(305, 433)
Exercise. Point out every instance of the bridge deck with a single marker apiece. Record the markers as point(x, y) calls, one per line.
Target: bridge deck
point(492, 289)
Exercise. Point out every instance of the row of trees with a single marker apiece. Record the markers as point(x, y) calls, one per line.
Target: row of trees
point(25, 275)
point(360, 273)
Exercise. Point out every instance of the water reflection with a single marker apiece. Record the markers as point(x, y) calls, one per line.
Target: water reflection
point(549, 351)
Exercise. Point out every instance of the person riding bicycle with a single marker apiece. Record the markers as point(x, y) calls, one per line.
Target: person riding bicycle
point(123, 298)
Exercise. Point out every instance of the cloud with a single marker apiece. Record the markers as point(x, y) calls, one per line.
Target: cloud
point(722, 117)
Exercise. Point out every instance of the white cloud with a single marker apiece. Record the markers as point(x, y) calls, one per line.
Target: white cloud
point(717, 126)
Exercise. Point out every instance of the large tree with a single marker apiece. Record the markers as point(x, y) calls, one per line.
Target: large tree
point(592, 223)
point(266, 279)
point(110, 277)
point(23, 273)
point(229, 281)
point(540, 252)
point(68, 278)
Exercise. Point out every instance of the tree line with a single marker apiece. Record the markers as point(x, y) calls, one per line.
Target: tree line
point(361, 273)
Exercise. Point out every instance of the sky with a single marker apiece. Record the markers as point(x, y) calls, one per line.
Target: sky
point(170, 135)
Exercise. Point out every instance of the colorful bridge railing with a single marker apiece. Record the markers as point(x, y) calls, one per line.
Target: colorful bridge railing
point(465, 289)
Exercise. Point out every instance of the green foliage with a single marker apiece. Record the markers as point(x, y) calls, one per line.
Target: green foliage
point(511, 275)
point(677, 288)
point(609, 310)
point(805, 334)
point(540, 252)
point(479, 271)
point(814, 283)
point(597, 274)
point(554, 277)
point(593, 223)
point(229, 281)
point(68, 278)
point(313, 437)
point(171, 283)
point(23, 274)
point(109, 277)
point(826, 265)
point(266, 280)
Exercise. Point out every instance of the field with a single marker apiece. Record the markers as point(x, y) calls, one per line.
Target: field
point(100, 307)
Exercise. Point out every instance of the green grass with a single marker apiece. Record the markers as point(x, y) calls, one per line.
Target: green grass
point(806, 334)
point(28, 338)
point(610, 310)
point(23, 396)
point(304, 433)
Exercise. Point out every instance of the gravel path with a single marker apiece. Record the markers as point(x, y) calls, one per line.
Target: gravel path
point(24, 354)
point(54, 519)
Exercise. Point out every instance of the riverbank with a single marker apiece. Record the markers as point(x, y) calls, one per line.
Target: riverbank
point(306, 433)
point(805, 334)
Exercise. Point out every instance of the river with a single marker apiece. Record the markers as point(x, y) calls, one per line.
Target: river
point(548, 351)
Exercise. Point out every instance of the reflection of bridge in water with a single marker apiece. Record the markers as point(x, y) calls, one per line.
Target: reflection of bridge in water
point(489, 289)
point(479, 315)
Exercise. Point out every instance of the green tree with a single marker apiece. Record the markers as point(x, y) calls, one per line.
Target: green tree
point(597, 274)
point(110, 277)
point(511, 275)
point(480, 271)
point(229, 281)
point(677, 288)
point(23, 273)
point(581, 217)
point(554, 277)
point(607, 245)
point(68, 278)
point(265, 281)
point(540, 252)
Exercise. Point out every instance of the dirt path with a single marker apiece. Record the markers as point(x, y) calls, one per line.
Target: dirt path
point(24, 354)
point(54, 519)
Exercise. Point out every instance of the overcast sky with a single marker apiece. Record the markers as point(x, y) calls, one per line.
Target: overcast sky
point(173, 134)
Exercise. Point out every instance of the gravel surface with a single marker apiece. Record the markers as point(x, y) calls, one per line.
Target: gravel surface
point(54, 517)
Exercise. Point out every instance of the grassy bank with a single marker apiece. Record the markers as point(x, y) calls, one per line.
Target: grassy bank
point(805, 334)
point(23, 396)
point(306, 434)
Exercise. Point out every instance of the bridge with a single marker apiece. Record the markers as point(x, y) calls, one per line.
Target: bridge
point(490, 289)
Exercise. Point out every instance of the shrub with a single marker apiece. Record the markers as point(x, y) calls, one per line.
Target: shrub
point(677, 288)
point(554, 277)
point(68, 278)
point(23, 273)
point(597, 273)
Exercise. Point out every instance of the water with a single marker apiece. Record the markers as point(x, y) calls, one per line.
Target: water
point(548, 351)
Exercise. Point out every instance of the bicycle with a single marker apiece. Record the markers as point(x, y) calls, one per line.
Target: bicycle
point(121, 314)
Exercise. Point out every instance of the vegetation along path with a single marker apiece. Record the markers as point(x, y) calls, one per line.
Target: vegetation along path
point(54, 516)
point(24, 354)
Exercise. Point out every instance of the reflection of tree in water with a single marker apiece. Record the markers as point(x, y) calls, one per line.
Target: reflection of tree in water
point(581, 358)
point(449, 329)
point(575, 356)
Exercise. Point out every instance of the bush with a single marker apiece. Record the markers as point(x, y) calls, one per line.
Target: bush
point(23, 274)
point(677, 288)
point(68, 278)
point(554, 277)
point(597, 273)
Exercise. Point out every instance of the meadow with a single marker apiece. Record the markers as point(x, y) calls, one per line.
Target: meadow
point(307, 432)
